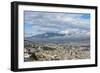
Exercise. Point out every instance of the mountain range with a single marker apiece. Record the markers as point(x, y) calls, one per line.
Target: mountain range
point(52, 37)
point(48, 35)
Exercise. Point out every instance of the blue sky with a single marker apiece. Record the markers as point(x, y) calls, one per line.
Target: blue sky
point(67, 23)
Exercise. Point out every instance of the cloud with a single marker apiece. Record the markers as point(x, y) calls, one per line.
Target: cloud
point(68, 23)
point(76, 33)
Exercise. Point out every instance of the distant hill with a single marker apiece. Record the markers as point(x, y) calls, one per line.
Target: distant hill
point(58, 38)
point(48, 35)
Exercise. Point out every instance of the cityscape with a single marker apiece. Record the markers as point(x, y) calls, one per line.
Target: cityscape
point(50, 36)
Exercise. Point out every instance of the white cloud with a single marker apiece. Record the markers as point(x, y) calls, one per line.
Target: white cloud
point(76, 33)
point(68, 23)
point(70, 31)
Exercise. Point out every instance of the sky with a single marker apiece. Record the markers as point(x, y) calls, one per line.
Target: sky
point(36, 22)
